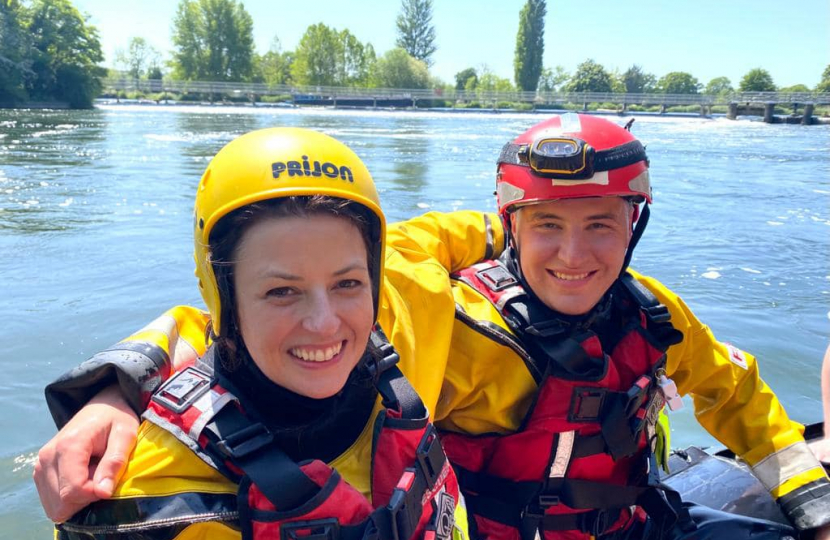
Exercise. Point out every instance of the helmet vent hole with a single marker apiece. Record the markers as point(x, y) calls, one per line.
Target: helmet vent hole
point(201, 223)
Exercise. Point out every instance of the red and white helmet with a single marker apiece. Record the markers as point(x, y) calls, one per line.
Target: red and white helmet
point(571, 156)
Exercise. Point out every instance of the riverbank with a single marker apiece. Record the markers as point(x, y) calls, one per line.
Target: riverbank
point(676, 112)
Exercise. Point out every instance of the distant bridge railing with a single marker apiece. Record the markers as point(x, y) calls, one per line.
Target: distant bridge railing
point(309, 93)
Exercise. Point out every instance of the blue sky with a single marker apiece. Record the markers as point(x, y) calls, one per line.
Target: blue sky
point(707, 38)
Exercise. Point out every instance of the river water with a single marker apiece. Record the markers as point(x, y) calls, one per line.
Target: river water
point(95, 235)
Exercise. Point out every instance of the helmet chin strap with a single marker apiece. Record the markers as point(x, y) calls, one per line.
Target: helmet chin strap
point(639, 229)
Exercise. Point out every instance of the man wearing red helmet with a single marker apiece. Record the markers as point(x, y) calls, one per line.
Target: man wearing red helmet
point(561, 360)
point(571, 356)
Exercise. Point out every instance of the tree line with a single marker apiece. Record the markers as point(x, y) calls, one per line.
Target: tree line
point(49, 51)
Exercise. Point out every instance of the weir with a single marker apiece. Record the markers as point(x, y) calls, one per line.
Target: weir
point(737, 103)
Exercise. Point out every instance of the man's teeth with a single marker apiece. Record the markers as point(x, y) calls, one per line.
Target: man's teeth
point(571, 277)
point(317, 355)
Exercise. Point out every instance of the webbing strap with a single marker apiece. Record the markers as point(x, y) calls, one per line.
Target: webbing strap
point(657, 315)
point(251, 447)
point(395, 391)
point(581, 494)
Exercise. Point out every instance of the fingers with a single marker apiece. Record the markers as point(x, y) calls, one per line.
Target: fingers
point(821, 449)
point(61, 475)
point(120, 445)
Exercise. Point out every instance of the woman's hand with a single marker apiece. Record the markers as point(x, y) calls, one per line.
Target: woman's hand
point(83, 462)
point(821, 448)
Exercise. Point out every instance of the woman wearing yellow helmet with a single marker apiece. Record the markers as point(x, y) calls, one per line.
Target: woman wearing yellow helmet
point(296, 421)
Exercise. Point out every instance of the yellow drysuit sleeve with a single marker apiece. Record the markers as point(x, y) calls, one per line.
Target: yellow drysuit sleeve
point(453, 240)
point(738, 408)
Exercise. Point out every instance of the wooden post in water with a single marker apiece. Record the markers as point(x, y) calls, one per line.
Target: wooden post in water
point(807, 118)
point(769, 109)
point(732, 111)
point(663, 108)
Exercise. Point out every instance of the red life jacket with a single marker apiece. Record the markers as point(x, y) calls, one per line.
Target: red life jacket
point(581, 462)
point(414, 490)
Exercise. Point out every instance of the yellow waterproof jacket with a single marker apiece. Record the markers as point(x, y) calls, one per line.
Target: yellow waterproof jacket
point(416, 307)
point(488, 389)
point(485, 387)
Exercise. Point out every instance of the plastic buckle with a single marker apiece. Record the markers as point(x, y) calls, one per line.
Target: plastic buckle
point(599, 523)
point(183, 389)
point(637, 395)
point(245, 441)
point(405, 512)
point(430, 456)
point(658, 314)
point(389, 357)
point(496, 278)
point(546, 500)
point(315, 529)
point(545, 329)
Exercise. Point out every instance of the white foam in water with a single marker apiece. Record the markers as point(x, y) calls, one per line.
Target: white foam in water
point(774, 223)
point(750, 270)
point(67, 202)
point(24, 461)
point(711, 274)
point(422, 205)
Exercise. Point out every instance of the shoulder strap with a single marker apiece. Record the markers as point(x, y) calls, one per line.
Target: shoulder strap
point(207, 417)
point(251, 447)
point(395, 391)
point(658, 318)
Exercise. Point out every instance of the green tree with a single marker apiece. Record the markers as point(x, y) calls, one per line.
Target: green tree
point(355, 61)
point(757, 80)
point(213, 41)
point(678, 82)
point(795, 89)
point(530, 45)
point(824, 85)
point(636, 81)
point(274, 67)
point(589, 77)
point(139, 57)
point(465, 75)
point(719, 86)
point(397, 69)
point(326, 57)
point(490, 82)
point(315, 60)
point(66, 54)
point(416, 33)
point(552, 79)
point(14, 45)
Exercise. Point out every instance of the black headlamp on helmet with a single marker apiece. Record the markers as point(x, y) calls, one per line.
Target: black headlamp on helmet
point(559, 158)
point(570, 158)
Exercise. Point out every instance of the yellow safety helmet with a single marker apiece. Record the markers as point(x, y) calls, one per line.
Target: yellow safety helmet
point(274, 163)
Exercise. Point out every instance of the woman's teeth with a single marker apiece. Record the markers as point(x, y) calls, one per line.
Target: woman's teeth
point(317, 355)
point(571, 277)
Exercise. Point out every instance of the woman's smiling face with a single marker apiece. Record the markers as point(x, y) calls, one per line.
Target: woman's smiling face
point(304, 300)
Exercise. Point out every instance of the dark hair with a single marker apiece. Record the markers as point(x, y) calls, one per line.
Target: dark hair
point(225, 239)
